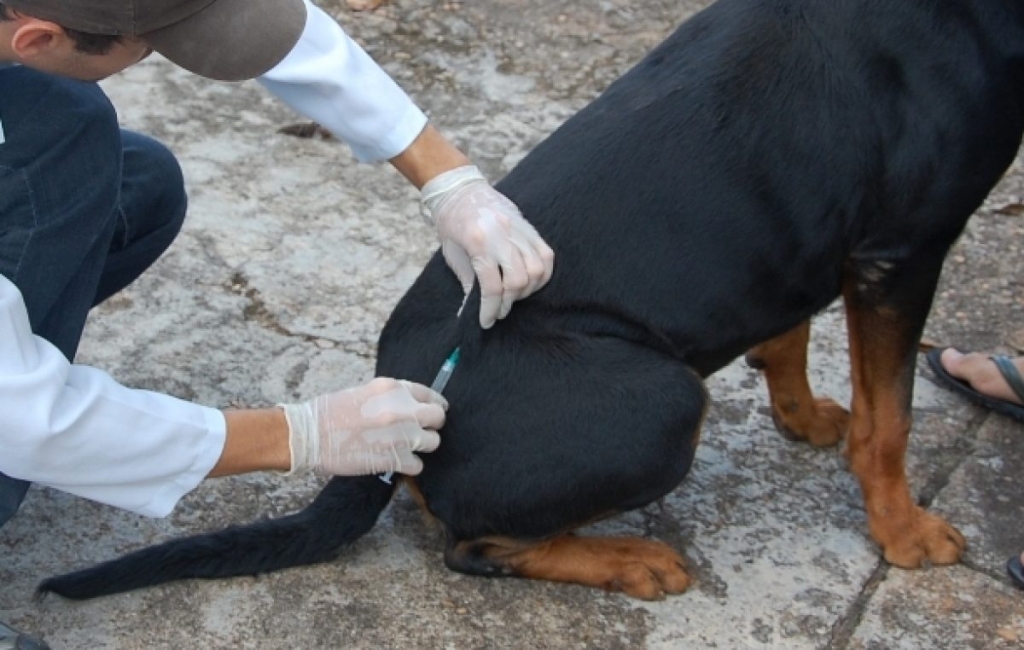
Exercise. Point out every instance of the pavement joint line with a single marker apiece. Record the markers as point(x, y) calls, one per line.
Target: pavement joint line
point(847, 624)
point(256, 311)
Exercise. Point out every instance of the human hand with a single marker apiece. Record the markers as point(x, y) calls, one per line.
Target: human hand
point(484, 235)
point(370, 429)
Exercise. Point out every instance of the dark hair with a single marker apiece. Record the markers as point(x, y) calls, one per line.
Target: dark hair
point(84, 43)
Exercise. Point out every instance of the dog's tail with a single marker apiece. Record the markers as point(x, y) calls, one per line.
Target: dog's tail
point(344, 511)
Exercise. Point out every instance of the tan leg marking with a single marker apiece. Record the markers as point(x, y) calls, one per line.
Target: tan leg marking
point(797, 414)
point(882, 376)
point(637, 567)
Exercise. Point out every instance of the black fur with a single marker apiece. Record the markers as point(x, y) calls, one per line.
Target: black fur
point(343, 512)
point(717, 195)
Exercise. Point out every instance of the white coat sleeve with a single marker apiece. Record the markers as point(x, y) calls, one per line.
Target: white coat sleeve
point(74, 428)
point(330, 79)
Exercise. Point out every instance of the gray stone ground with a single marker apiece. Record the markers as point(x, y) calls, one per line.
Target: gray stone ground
point(291, 260)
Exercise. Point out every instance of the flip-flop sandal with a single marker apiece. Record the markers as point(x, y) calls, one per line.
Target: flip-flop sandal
point(1016, 571)
point(1001, 406)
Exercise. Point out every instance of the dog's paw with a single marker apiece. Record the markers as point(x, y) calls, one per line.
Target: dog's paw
point(929, 539)
point(649, 570)
point(641, 568)
point(823, 423)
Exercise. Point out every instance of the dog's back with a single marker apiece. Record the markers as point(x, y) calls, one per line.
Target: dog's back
point(725, 183)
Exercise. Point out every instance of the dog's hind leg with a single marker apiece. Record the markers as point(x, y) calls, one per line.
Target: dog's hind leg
point(797, 414)
point(563, 432)
point(640, 568)
point(885, 309)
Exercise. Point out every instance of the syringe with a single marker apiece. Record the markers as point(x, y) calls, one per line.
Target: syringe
point(443, 375)
point(440, 381)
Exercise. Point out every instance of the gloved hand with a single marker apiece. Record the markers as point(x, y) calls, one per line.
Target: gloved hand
point(371, 429)
point(484, 234)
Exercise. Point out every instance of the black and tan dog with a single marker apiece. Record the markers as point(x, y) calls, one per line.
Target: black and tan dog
point(768, 157)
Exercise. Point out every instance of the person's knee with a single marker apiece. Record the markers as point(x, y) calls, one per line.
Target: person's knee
point(69, 130)
point(79, 141)
point(90, 135)
point(96, 112)
point(171, 201)
point(153, 187)
point(55, 108)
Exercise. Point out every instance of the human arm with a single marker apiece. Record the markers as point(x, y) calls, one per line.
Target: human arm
point(370, 429)
point(330, 79)
point(74, 428)
point(256, 439)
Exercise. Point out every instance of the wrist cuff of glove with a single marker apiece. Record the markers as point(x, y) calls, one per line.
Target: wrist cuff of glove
point(438, 189)
point(302, 436)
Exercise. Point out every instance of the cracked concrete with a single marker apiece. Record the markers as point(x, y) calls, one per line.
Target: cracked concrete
point(292, 258)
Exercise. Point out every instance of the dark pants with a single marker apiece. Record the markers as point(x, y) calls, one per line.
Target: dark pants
point(85, 207)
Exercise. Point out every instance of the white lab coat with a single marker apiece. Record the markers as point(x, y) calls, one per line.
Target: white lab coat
point(73, 427)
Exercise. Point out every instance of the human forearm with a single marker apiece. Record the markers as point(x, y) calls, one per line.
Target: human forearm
point(331, 80)
point(430, 154)
point(375, 428)
point(257, 439)
point(74, 428)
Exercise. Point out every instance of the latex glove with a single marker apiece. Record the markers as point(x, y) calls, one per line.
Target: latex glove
point(484, 235)
point(371, 429)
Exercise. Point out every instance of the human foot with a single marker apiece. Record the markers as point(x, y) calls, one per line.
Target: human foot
point(981, 372)
point(994, 382)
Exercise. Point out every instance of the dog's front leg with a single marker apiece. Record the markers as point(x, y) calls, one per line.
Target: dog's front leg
point(885, 320)
point(797, 413)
